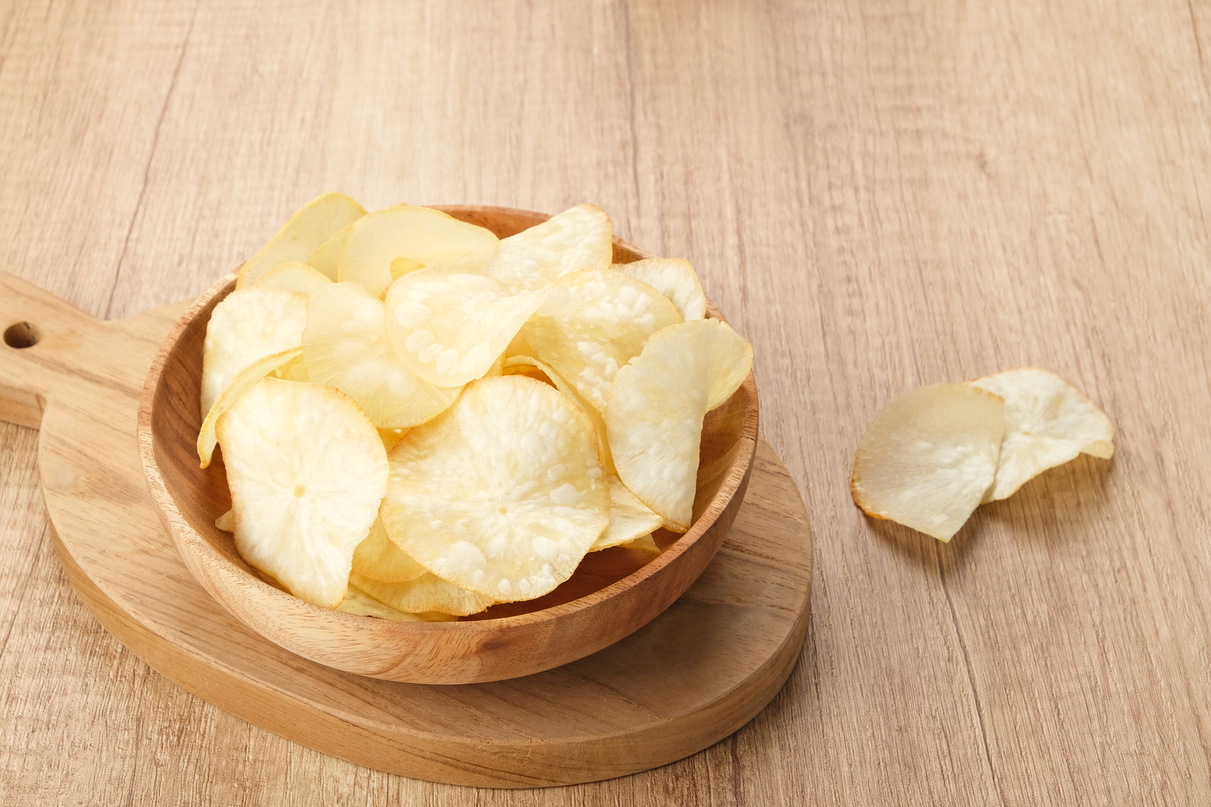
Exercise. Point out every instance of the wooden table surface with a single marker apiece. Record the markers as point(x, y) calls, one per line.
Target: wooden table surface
point(878, 195)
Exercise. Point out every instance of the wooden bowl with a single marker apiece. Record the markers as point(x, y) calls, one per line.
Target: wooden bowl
point(612, 594)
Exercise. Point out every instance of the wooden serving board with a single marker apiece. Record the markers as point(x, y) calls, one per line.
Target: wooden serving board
point(688, 679)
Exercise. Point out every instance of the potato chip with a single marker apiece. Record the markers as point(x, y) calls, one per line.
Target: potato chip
point(501, 494)
point(426, 594)
point(1048, 423)
point(675, 279)
point(420, 234)
point(928, 457)
point(604, 324)
point(245, 326)
point(450, 327)
point(359, 603)
point(307, 472)
point(575, 240)
point(656, 408)
point(630, 519)
point(345, 344)
point(306, 230)
point(292, 276)
point(243, 381)
point(376, 558)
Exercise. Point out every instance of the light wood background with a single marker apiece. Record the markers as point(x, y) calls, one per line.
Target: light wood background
point(878, 194)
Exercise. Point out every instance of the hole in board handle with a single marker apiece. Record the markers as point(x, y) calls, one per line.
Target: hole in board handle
point(21, 335)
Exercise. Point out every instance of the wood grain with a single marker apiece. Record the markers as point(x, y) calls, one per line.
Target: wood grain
point(879, 194)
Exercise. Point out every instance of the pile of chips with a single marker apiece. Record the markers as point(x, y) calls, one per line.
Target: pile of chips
point(935, 453)
point(419, 420)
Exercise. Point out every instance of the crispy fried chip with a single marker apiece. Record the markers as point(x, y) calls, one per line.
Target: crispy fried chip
point(245, 326)
point(359, 603)
point(502, 493)
point(243, 381)
point(450, 327)
point(292, 276)
point(423, 236)
point(345, 344)
point(306, 230)
point(327, 257)
point(376, 558)
point(674, 278)
point(1048, 423)
point(307, 472)
point(656, 407)
point(575, 240)
point(519, 364)
point(604, 324)
point(425, 594)
point(630, 519)
point(928, 457)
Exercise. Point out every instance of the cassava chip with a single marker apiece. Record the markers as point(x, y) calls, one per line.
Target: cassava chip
point(425, 594)
point(306, 230)
point(345, 344)
point(656, 408)
point(501, 494)
point(307, 472)
point(604, 324)
point(1048, 422)
point(519, 364)
point(376, 558)
point(423, 236)
point(450, 327)
point(243, 381)
point(928, 457)
point(245, 326)
point(359, 603)
point(674, 278)
point(327, 257)
point(291, 276)
point(630, 519)
point(577, 239)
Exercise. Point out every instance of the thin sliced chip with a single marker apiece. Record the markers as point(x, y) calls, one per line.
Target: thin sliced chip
point(450, 327)
point(630, 519)
point(243, 381)
point(293, 276)
point(575, 240)
point(425, 594)
point(1048, 423)
point(327, 257)
point(604, 324)
point(306, 230)
point(674, 278)
point(376, 558)
point(502, 493)
point(656, 408)
point(518, 365)
point(345, 344)
point(307, 472)
point(927, 458)
point(644, 543)
point(226, 522)
point(245, 326)
point(359, 603)
point(390, 437)
point(293, 370)
point(420, 234)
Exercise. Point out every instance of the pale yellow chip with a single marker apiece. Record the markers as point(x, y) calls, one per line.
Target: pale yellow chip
point(359, 603)
point(929, 455)
point(345, 344)
point(575, 240)
point(306, 230)
point(502, 493)
point(327, 257)
point(293, 276)
point(390, 437)
point(243, 381)
point(245, 326)
point(420, 234)
point(533, 368)
point(604, 324)
point(674, 278)
point(307, 472)
point(656, 407)
point(293, 370)
point(630, 519)
point(226, 522)
point(450, 327)
point(376, 558)
point(1048, 423)
point(425, 594)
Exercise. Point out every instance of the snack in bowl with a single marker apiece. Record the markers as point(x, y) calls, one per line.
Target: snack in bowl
point(525, 452)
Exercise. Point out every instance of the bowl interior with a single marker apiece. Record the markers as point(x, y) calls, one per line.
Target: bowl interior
point(201, 495)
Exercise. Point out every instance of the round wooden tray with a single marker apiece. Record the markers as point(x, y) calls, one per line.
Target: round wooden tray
point(688, 679)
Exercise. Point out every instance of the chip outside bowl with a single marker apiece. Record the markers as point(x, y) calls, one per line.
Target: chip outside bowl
point(606, 600)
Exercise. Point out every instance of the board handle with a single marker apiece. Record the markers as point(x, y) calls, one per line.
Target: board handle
point(45, 341)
